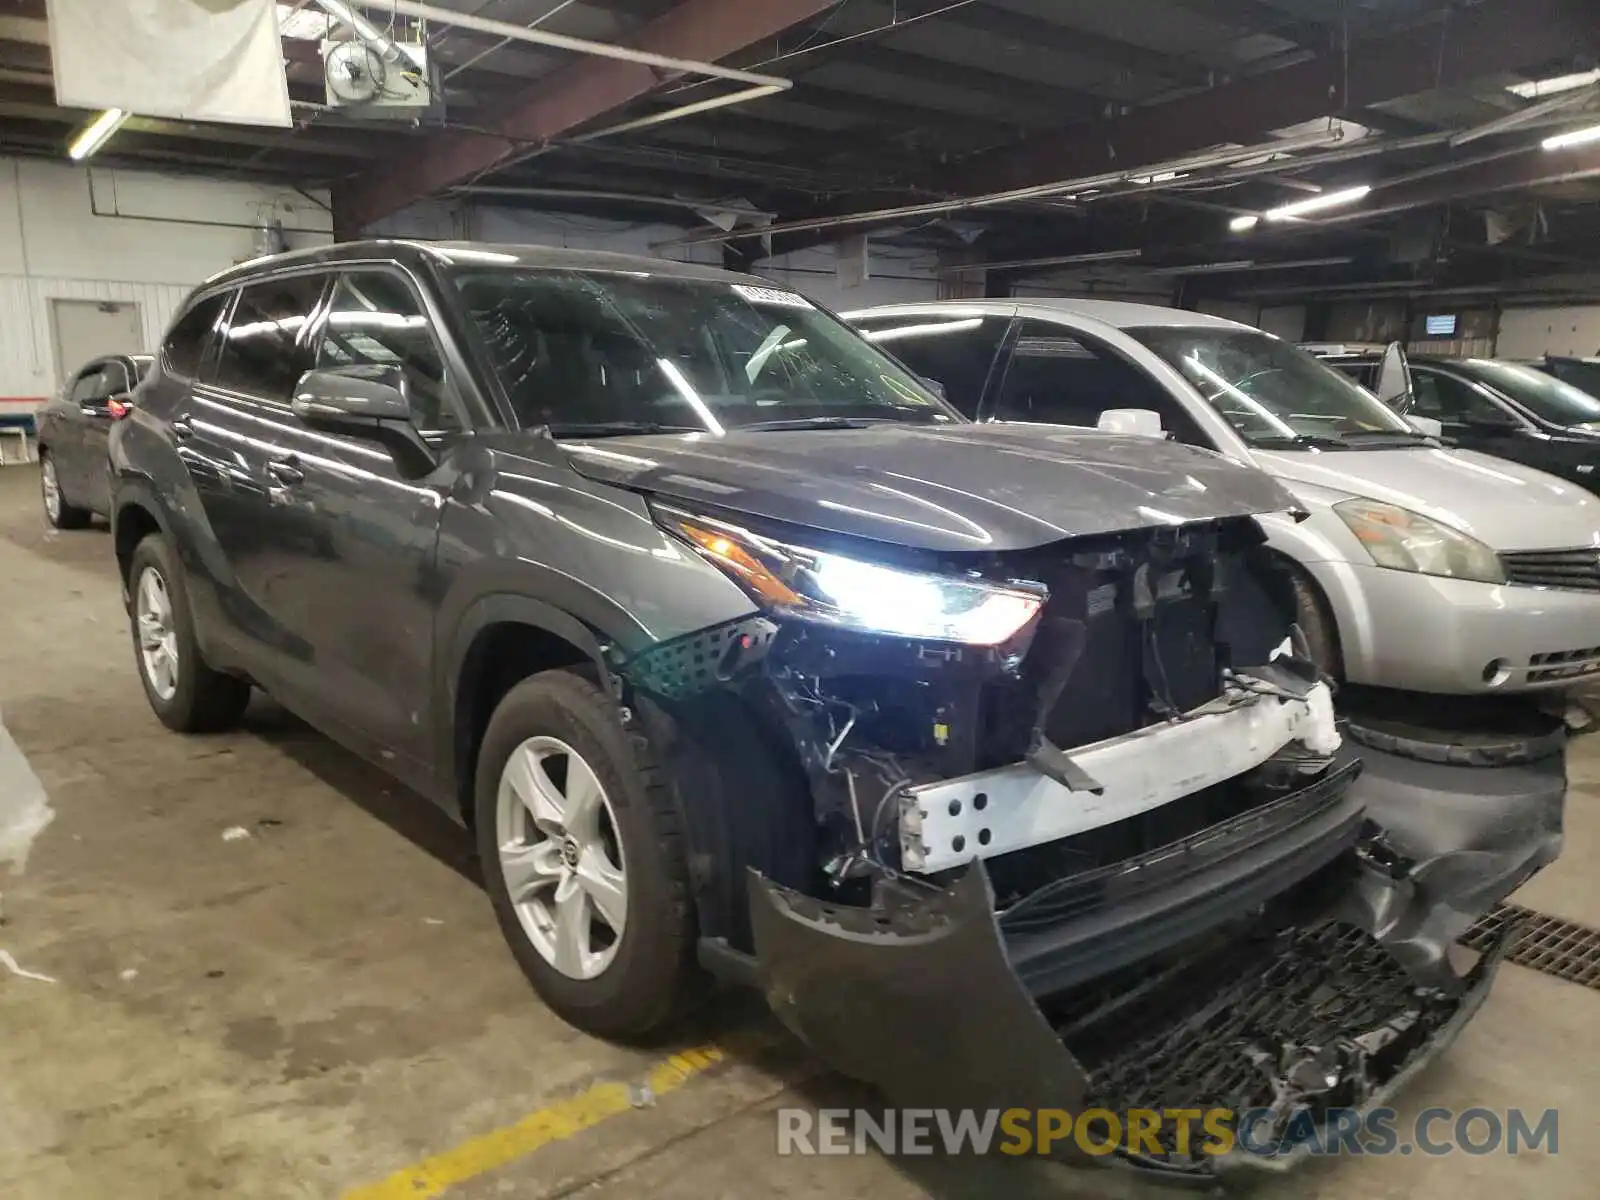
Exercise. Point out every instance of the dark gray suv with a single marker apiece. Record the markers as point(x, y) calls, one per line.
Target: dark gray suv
point(738, 649)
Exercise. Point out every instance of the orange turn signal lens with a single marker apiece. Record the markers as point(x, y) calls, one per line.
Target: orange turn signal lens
point(751, 571)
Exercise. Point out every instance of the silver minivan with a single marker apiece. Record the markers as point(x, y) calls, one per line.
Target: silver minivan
point(1419, 567)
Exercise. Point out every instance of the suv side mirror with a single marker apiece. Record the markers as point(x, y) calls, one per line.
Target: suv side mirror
point(1141, 422)
point(366, 402)
point(933, 385)
point(1427, 425)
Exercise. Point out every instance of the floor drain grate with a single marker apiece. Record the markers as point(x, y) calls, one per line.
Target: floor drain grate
point(1548, 945)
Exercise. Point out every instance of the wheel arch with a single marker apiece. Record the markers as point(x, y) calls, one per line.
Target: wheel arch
point(134, 516)
point(501, 640)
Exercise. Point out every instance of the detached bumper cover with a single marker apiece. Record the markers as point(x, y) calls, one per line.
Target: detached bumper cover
point(1175, 981)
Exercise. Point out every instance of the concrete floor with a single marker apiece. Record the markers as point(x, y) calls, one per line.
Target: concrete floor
point(316, 1006)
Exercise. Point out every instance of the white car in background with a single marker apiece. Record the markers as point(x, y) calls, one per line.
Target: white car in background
point(1417, 567)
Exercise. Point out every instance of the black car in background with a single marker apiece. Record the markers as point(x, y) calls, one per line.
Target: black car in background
point(73, 429)
point(1581, 373)
point(1509, 409)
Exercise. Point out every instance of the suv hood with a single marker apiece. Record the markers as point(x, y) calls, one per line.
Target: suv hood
point(988, 487)
point(1505, 504)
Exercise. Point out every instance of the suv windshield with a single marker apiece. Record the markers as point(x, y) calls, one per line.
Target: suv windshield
point(588, 353)
point(1271, 391)
point(1545, 396)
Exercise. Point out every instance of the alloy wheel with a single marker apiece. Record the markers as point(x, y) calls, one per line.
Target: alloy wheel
point(561, 857)
point(51, 488)
point(158, 638)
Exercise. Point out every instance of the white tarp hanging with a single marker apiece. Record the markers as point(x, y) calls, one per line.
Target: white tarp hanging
point(195, 60)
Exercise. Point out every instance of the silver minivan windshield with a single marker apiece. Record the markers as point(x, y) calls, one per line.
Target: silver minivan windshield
point(1274, 393)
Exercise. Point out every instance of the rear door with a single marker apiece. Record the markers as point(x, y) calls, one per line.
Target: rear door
point(229, 430)
point(361, 537)
point(64, 422)
point(112, 389)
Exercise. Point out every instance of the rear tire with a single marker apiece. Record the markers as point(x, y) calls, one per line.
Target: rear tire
point(185, 693)
point(59, 513)
point(641, 978)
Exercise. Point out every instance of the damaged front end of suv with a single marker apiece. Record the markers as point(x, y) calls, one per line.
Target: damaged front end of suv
point(1068, 825)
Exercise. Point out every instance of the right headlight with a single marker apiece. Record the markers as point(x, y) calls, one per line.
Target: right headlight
point(1406, 541)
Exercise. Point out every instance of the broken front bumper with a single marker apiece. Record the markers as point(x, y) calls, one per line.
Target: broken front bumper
point(1293, 958)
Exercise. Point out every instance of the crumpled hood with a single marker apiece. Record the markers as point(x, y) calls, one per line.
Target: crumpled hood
point(984, 487)
point(1502, 503)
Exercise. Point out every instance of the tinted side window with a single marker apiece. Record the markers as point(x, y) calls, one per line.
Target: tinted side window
point(262, 354)
point(1062, 378)
point(376, 320)
point(89, 387)
point(117, 383)
point(955, 352)
point(187, 341)
point(1447, 399)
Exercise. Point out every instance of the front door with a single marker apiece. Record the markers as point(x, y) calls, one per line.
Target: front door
point(362, 600)
point(1471, 419)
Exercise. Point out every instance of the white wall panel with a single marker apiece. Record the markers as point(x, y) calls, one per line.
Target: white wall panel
point(1535, 332)
point(128, 236)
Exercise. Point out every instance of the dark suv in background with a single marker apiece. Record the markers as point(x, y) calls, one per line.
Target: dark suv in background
point(737, 647)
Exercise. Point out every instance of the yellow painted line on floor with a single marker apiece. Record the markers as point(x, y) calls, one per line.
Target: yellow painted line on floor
point(554, 1123)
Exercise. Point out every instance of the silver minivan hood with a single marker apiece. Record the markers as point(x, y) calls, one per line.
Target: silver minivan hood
point(1507, 505)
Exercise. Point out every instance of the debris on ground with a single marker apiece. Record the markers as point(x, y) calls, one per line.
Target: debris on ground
point(235, 833)
point(11, 965)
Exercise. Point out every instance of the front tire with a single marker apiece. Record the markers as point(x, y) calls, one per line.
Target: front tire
point(185, 693)
point(583, 859)
point(59, 513)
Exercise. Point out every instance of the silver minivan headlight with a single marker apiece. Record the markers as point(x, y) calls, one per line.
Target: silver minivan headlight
point(1406, 541)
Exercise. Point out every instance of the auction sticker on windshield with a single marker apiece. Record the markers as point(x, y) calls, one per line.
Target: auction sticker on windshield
point(762, 295)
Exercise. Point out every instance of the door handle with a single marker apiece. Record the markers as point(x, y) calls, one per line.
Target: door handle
point(284, 471)
point(181, 429)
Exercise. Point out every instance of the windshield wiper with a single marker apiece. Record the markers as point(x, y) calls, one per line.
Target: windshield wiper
point(819, 423)
point(1301, 441)
point(906, 416)
point(617, 428)
point(1405, 435)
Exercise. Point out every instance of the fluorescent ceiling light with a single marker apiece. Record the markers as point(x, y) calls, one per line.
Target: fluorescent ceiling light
point(96, 133)
point(1577, 137)
point(1311, 204)
point(1556, 84)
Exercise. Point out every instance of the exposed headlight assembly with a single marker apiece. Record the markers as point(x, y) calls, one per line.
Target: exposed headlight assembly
point(1406, 541)
point(833, 589)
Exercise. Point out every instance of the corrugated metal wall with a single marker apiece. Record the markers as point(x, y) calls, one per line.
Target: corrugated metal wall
point(27, 360)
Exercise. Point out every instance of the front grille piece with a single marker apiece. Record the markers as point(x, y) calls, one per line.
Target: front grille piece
point(1548, 945)
point(1575, 570)
point(1303, 1020)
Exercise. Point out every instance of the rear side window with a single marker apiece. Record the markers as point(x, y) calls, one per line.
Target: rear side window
point(91, 386)
point(1060, 377)
point(263, 354)
point(375, 320)
point(953, 351)
point(185, 347)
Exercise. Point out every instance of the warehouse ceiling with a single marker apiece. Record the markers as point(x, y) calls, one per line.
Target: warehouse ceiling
point(1029, 135)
